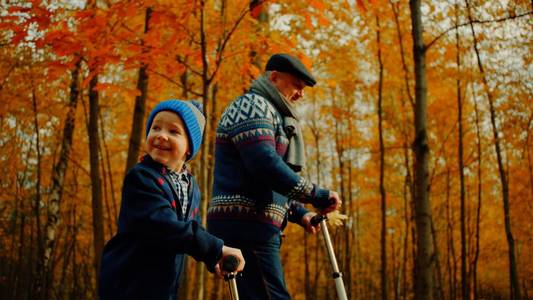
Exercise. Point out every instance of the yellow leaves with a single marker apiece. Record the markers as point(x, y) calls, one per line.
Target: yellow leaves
point(344, 63)
point(331, 83)
point(111, 88)
point(336, 219)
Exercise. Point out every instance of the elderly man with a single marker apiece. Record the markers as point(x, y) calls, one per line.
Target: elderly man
point(257, 189)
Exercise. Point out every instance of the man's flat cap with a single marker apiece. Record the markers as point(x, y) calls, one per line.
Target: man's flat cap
point(289, 64)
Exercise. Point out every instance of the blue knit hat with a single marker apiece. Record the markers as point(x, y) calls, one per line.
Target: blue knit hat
point(190, 113)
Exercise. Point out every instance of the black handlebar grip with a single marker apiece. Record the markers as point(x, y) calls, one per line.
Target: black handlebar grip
point(316, 219)
point(230, 264)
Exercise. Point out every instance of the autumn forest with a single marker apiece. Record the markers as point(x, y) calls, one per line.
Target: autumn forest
point(422, 120)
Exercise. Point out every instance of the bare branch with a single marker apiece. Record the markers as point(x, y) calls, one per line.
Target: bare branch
point(175, 82)
point(225, 41)
point(186, 65)
point(476, 22)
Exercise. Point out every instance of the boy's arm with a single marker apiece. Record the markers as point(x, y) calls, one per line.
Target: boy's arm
point(150, 213)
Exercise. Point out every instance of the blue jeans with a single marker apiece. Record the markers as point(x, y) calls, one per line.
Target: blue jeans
point(262, 277)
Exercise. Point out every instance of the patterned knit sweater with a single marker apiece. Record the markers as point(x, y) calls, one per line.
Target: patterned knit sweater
point(252, 181)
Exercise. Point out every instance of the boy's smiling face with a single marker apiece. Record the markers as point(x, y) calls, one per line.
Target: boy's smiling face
point(167, 141)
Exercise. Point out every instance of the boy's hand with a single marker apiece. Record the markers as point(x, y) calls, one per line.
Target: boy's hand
point(226, 252)
point(335, 203)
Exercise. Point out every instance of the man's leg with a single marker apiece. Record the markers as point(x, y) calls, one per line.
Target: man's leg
point(262, 277)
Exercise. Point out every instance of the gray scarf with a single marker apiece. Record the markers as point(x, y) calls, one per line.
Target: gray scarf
point(295, 156)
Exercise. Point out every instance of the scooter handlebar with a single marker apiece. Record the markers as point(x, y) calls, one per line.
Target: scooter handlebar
point(316, 219)
point(230, 264)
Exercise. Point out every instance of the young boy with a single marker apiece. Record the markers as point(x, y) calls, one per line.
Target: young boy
point(158, 221)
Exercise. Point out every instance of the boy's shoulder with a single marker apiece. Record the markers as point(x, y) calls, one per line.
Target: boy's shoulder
point(146, 168)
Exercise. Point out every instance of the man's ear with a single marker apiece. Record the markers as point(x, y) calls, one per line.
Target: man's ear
point(274, 75)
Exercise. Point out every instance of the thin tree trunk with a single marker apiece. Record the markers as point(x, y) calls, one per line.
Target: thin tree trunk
point(527, 150)
point(350, 234)
point(406, 196)
point(464, 277)
point(114, 212)
point(107, 215)
point(200, 273)
point(409, 186)
point(423, 261)
point(451, 257)
point(479, 197)
point(37, 272)
point(58, 176)
point(68, 253)
point(340, 149)
point(395, 10)
point(439, 293)
point(315, 131)
point(185, 283)
point(137, 126)
point(513, 273)
point(96, 183)
point(211, 138)
point(307, 276)
point(383, 271)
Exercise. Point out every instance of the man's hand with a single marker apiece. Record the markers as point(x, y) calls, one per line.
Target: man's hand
point(229, 251)
point(306, 223)
point(335, 203)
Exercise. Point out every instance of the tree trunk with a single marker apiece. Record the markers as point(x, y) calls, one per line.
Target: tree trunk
point(137, 126)
point(185, 282)
point(383, 270)
point(407, 195)
point(200, 273)
point(423, 261)
point(409, 185)
point(439, 291)
point(479, 197)
point(450, 244)
point(315, 131)
point(58, 176)
point(96, 183)
point(464, 277)
point(349, 232)
point(395, 11)
point(113, 212)
point(513, 273)
point(37, 272)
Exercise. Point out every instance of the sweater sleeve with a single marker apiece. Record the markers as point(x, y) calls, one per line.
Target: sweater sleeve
point(296, 212)
point(149, 212)
point(250, 125)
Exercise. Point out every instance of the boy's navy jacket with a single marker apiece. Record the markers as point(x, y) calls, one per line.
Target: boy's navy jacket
point(145, 258)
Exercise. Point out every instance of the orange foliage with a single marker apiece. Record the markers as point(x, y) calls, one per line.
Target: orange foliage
point(337, 40)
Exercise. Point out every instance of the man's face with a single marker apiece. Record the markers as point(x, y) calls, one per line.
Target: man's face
point(288, 85)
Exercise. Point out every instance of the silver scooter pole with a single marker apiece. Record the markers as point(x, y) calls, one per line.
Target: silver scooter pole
point(230, 265)
point(337, 275)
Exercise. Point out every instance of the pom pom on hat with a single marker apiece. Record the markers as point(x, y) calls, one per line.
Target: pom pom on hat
point(192, 116)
